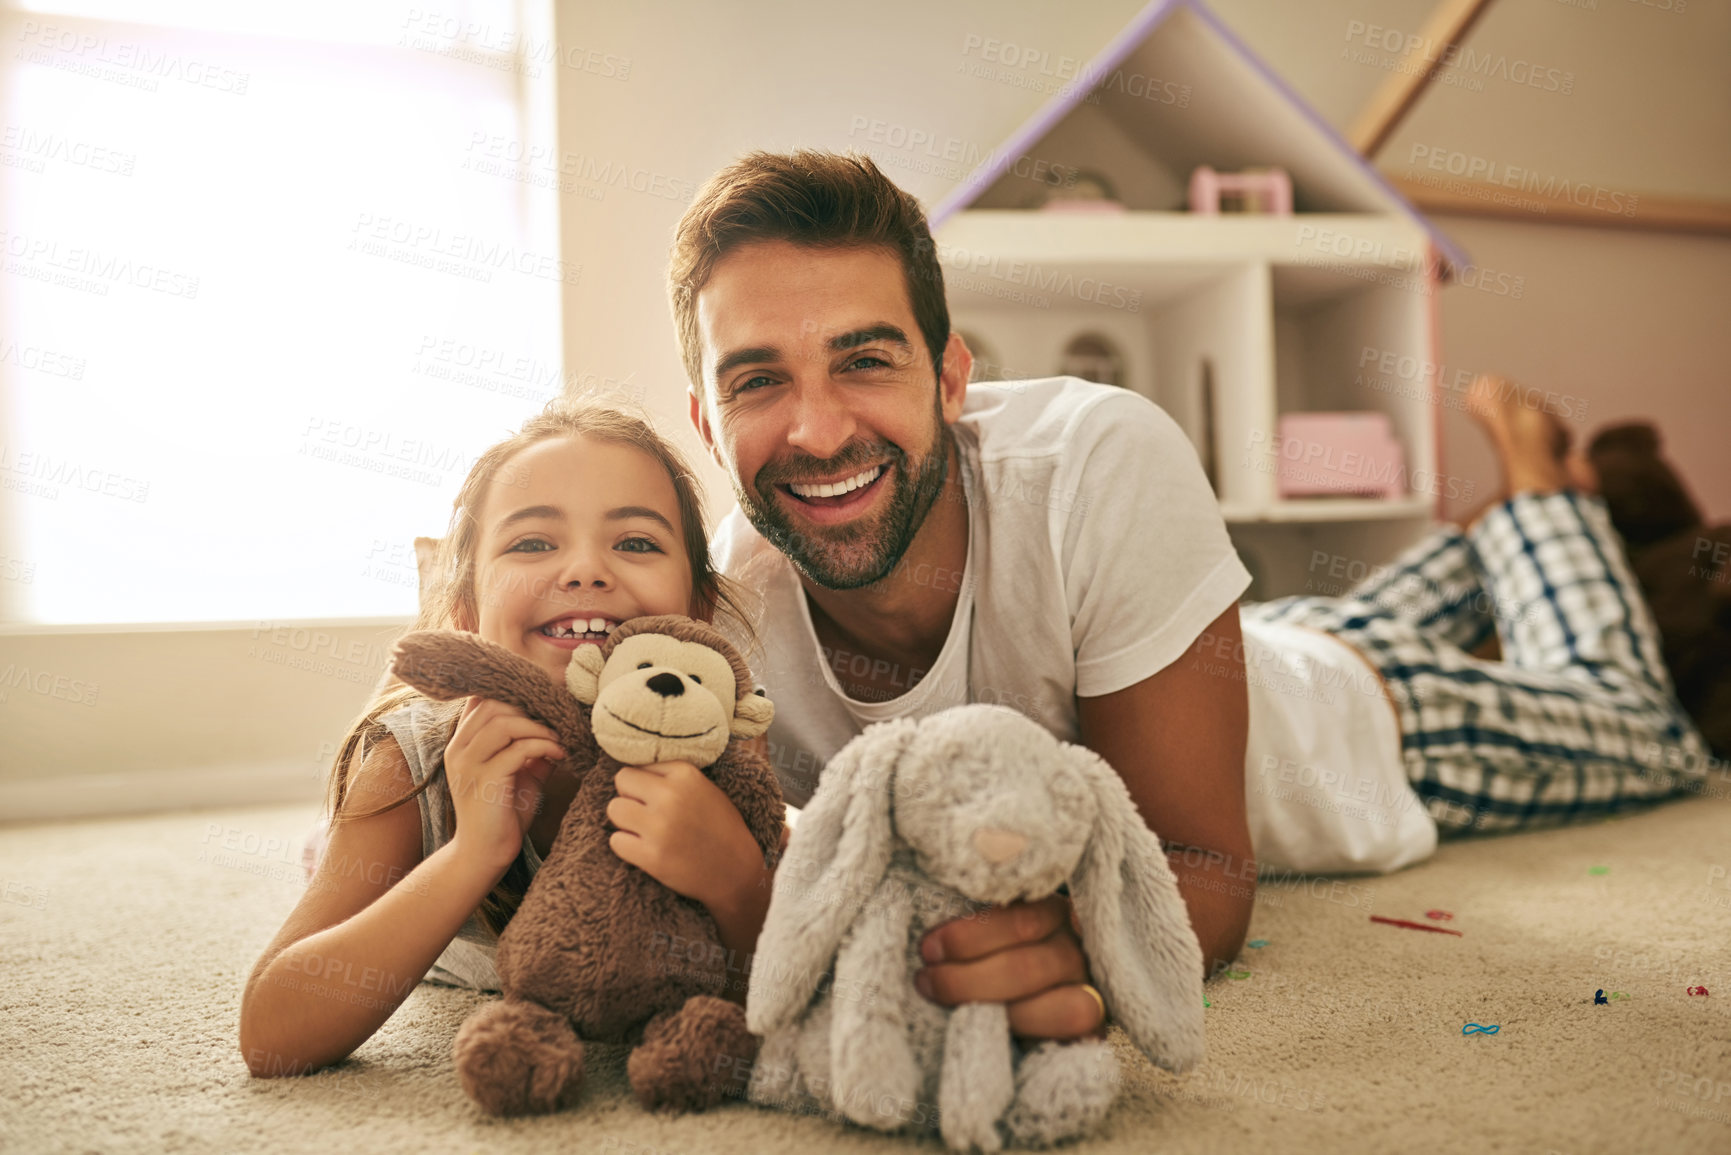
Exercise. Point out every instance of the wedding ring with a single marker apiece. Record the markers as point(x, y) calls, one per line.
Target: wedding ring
point(1090, 988)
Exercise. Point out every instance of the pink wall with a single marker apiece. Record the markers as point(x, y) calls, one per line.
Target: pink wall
point(1635, 324)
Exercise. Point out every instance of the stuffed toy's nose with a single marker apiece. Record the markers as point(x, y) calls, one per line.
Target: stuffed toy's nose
point(998, 846)
point(667, 685)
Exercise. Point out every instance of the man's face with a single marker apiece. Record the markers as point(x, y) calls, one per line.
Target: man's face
point(817, 381)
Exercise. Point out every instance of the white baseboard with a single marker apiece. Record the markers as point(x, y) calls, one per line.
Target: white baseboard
point(185, 718)
point(76, 796)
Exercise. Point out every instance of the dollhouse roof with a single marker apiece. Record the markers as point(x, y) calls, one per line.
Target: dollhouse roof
point(1179, 89)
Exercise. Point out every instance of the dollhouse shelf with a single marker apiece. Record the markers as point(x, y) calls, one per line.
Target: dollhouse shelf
point(1228, 322)
point(1326, 509)
point(1269, 315)
point(1151, 246)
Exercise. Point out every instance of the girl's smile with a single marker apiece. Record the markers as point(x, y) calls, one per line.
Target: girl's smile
point(569, 631)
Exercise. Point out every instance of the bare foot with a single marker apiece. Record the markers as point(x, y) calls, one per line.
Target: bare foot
point(1531, 443)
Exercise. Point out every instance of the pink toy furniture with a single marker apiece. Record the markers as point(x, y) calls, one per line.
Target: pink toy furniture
point(1339, 453)
point(1258, 190)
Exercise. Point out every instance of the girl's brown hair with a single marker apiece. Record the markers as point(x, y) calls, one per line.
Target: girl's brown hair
point(449, 600)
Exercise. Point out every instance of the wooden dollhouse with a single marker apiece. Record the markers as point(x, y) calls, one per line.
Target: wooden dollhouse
point(1072, 249)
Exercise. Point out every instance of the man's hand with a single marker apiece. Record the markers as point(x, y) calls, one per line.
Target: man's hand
point(679, 828)
point(1024, 954)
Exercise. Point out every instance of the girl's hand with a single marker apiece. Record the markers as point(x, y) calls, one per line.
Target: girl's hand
point(495, 764)
point(680, 829)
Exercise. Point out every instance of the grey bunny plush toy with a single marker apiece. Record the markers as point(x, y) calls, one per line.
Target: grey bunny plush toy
point(918, 822)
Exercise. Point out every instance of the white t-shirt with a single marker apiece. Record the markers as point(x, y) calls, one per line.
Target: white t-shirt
point(1326, 790)
point(1096, 556)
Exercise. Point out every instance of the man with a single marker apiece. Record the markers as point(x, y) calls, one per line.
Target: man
point(1050, 545)
point(1054, 546)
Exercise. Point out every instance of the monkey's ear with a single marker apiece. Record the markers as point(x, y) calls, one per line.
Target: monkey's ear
point(752, 714)
point(583, 675)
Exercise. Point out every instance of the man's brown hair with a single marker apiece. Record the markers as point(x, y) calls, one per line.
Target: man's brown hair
point(808, 197)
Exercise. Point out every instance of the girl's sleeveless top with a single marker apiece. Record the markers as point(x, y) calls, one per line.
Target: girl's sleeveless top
point(423, 729)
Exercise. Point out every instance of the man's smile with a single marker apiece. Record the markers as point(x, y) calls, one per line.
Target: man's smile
point(808, 490)
point(832, 503)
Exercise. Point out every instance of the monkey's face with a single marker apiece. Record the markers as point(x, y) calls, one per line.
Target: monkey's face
point(661, 699)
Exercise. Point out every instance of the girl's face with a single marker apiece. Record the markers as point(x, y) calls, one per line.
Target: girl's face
point(577, 535)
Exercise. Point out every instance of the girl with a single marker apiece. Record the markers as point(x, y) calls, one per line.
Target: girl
point(582, 520)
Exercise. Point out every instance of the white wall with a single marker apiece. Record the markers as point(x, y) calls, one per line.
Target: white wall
point(108, 720)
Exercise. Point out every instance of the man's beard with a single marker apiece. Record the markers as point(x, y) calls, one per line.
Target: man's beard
point(865, 550)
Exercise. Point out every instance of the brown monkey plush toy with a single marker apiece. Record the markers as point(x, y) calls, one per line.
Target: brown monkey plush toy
point(586, 958)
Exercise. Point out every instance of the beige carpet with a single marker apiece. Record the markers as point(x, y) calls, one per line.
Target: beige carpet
point(123, 945)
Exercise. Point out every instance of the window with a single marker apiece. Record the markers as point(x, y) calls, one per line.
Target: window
point(273, 276)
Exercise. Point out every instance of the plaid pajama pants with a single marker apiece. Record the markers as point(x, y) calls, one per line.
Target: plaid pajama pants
point(1578, 719)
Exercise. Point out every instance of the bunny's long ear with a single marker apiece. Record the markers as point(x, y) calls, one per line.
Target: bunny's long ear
point(836, 857)
point(1142, 951)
